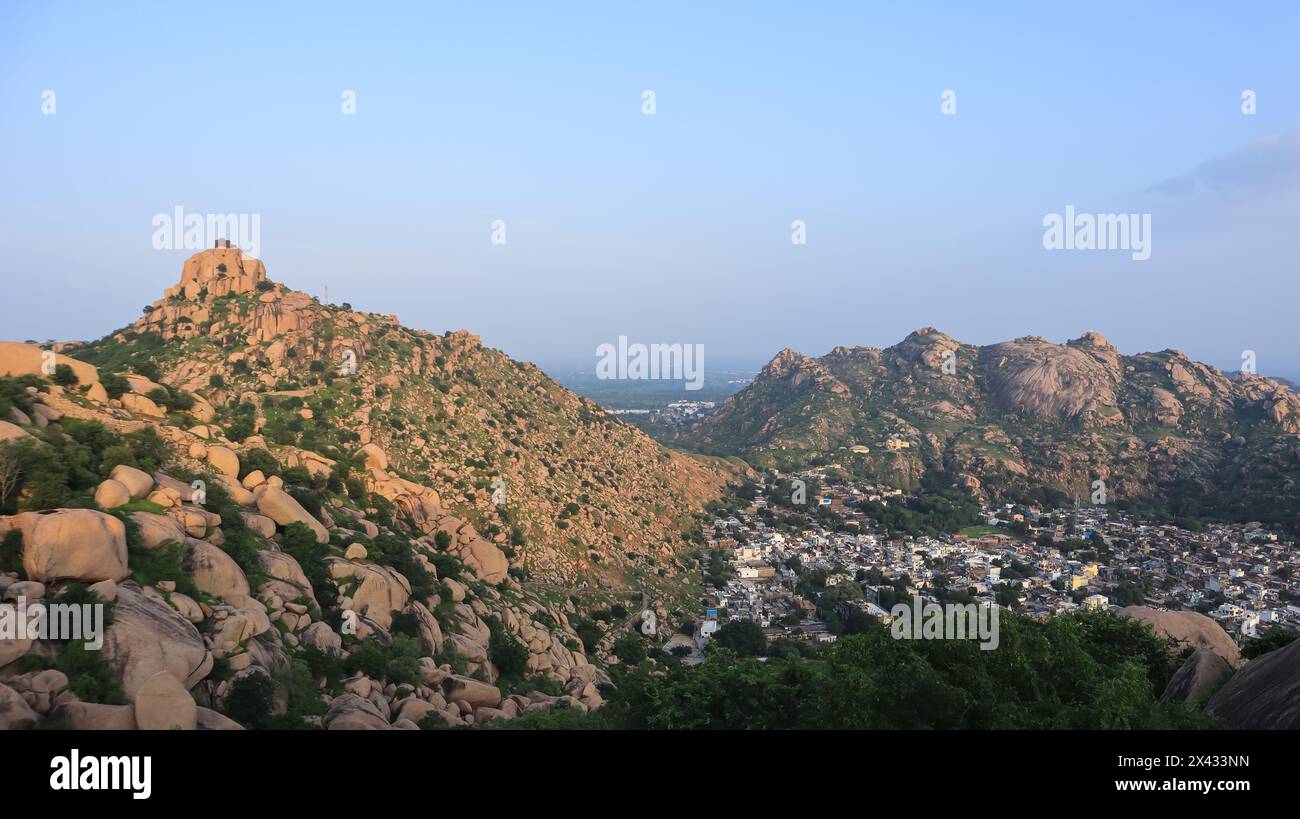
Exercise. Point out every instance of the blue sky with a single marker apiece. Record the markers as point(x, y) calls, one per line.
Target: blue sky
point(673, 227)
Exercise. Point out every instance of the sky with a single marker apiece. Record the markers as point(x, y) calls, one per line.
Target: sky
point(674, 226)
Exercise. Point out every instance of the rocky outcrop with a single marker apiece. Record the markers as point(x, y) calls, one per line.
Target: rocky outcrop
point(1151, 425)
point(91, 716)
point(137, 482)
point(215, 572)
point(29, 359)
point(352, 713)
point(148, 636)
point(487, 561)
point(224, 461)
point(15, 713)
point(162, 703)
point(1263, 695)
point(1187, 628)
point(218, 272)
point(111, 494)
point(1197, 678)
point(280, 507)
point(76, 544)
point(467, 689)
point(155, 530)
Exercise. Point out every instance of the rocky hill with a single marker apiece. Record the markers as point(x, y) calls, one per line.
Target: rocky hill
point(303, 515)
point(1006, 418)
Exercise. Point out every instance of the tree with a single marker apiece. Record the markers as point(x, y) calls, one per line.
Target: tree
point(1273, 639)
point(115, 385)
point(630, 648)
point(64, 375)
point(251, 700)
point(744, 637)
point(11, 470)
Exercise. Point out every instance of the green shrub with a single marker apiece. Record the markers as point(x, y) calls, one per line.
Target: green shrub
point(11, 552)
point(630, 648)
point(258, 459)
point(115, 385)
point(398, 663)
point(507, 653)
point(64, 375)
point(251, 701)
point(165, 562)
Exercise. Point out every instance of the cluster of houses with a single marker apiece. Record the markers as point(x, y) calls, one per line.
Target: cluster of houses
point(1040, 562)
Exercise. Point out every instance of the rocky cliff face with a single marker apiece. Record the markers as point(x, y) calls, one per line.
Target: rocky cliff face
point(1009, 416)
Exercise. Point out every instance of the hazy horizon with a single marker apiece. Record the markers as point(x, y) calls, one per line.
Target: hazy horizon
point(674, 226)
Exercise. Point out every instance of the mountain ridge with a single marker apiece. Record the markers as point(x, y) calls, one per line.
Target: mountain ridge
point(1007, 415)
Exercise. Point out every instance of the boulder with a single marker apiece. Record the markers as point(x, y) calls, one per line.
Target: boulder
point(155, 530)
point(140, 385)
point(111, 494)
point(28, 359)
point(215, 572)
point(166, 498)
point(29, 589)
point(381, 592)
point(209, 720)
point(1187, 628)
point(237, 492)
point(413, 709)
point(93, 716)
point(468, 648)
point(287, 579)
point(1197, 678)
point(1263, 694)
point(467, 689)
point(280, 507)
point(141, 405)
point(455, 589)
point(186, 606)
point(162, 704)
point(43, 689)
point(106, 590)
point(194, 520)
point(225, 461)
point(375, 458)
point(322, 637)
point(350, 712)
point(431, 641)
point(48, 414)
point(14, 710)
point(261, 524)
point(13, 649)
point(138, 482)
point(148, 636)
point(76, 544)
point(12, 432)
point(487, 561)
